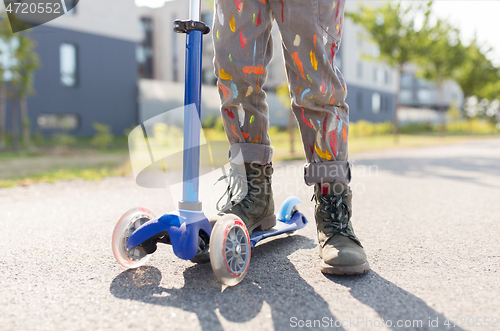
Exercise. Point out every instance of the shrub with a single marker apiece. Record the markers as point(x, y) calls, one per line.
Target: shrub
point(367, 129)
point(63, 139)
point(412, 128)
point(103, 137)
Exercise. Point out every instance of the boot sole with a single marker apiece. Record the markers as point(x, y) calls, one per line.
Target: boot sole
point(264, 224)
point(345, 270)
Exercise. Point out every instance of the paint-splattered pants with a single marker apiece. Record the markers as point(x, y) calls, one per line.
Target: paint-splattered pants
point(311, 32)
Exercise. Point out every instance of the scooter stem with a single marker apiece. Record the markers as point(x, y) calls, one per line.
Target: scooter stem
point(192, 116)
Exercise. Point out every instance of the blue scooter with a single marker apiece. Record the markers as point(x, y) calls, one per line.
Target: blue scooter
point(187, 229)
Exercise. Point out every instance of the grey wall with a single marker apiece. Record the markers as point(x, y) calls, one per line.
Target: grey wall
point(106, 90)
point(359, 100)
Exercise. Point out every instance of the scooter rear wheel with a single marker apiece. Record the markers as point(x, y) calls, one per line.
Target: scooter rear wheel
point(127, 224)
point(230, 250)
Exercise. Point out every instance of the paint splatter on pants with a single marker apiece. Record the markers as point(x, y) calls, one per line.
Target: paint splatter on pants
point(311, 33)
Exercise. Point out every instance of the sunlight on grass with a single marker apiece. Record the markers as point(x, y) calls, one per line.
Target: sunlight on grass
point(89, 174)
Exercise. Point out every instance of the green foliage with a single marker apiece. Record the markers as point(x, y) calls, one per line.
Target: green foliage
point(38, 138)
point(103, 137)
point(213, 122)
point(127, 131)
point(472, 126)
point(90, 174)
point(63, 139)
point(367, 129)
point(478, 76)
point(417, 128)
point(444, 53)
point(392, 27)
point(283, 93)
point(209, 121)
point(363, 129)
point(454, 113)
point(436, 47)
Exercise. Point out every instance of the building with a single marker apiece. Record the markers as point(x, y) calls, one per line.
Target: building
point(88, 70)
point(419, 93)
point(371, 85)
point(114, 63)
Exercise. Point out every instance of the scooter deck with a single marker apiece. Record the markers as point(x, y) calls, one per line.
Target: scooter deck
point(297, 222)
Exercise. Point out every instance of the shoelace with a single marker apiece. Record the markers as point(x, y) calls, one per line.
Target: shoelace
point(234, 188)
point(339, 212)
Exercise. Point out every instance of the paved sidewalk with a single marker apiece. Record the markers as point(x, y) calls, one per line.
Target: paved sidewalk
point(428, 217)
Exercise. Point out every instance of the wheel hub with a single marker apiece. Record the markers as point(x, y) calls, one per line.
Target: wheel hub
point(236, 250)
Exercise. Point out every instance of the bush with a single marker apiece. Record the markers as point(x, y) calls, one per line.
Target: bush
point(63, 139)
point(103, 137)
point(472, 126)
point(367, 129)
point(413, 128)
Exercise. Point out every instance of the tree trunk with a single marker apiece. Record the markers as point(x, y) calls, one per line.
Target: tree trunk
point(441, 110)
point(396, 108)
point(291, 131)
point(23, 105)
point(15, 124)
point(3, 117)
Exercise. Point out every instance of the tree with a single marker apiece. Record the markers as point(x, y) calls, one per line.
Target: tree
point(16, 77)
point(392, 28)
point(478, 76)
point(23, 79)
point(283, 94)
point(444, 56)
point(5, 41)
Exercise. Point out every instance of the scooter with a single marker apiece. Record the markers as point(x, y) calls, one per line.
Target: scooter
point(187, 229)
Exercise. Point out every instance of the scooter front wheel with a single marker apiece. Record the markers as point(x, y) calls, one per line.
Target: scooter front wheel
point(127, 224)
point(230, 250)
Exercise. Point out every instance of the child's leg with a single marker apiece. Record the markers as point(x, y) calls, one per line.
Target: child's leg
point(243, 49)
point(311, 33)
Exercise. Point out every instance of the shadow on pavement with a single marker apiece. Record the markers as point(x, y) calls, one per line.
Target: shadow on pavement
point(272, 278)
point(392, 303)
point(438, 167)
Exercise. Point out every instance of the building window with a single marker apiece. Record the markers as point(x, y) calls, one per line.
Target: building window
point(70, 6)
point(338, 59)
point(426, 97)
point(359, 100)
point(379, 75)
point(359, 70)
point(208, 77)
point(145, 56)
point(58, 121)
point(7, 58)
point(376, 103)
point(407, 80)
point(406, 97)
point(208, 19)
point(175, 54)
point(68, 64)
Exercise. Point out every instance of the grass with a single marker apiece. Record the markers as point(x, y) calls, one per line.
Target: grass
point(367, 144)
point(52, 165)
point(90, 174)
point(80, 160)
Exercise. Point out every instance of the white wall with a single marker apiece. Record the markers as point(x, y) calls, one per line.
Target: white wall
point(353, 47)
point(111, 18)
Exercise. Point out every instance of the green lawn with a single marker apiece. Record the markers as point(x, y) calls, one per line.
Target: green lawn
point(56, 164)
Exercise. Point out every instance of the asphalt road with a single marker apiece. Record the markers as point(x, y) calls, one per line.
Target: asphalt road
point(428, 217)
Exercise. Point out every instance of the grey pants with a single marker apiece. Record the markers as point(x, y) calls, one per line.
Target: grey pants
point(311, 33)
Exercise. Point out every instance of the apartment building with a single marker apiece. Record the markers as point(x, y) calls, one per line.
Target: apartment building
point(88, 70)
point(371, 85)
